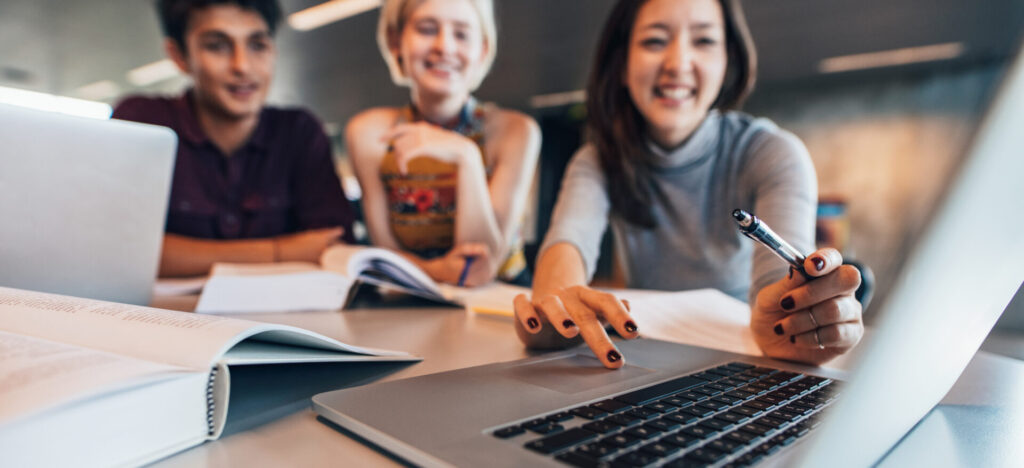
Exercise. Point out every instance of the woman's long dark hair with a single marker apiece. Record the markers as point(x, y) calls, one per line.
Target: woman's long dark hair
point(616, 127)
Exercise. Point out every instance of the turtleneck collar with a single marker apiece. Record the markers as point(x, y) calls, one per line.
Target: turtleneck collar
point(694, 150)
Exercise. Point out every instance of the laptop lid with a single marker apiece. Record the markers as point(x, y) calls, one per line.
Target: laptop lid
point(962, 273)
point(82, 204)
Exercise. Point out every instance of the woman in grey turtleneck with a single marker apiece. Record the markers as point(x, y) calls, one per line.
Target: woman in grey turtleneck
point(666, 164)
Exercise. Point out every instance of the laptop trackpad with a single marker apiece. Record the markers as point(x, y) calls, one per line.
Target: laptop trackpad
point(574, 373)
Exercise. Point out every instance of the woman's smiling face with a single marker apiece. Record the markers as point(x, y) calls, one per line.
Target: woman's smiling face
point(442, 47)
point(676, 65)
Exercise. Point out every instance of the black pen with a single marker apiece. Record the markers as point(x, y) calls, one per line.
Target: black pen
point(758, 230)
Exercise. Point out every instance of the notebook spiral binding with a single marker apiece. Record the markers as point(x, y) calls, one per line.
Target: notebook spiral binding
point(210, 429)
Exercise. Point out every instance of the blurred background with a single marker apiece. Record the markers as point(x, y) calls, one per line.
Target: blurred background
point(885, 93)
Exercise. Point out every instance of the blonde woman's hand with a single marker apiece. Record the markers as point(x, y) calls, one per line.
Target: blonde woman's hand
point(411, 140)
point(810, 321)
point(448, 268)
point(550, 319)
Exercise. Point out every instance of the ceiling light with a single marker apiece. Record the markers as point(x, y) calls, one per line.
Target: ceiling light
point(329, 12)
point(53, 103)
point(153, 73)
point(99, 91)
point(888, 58)
point(557, 99)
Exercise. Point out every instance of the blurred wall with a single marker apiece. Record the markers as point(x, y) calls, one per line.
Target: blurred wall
point(888, 145)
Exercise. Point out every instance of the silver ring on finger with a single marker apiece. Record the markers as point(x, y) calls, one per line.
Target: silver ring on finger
point(817, 337)
point(813, 322)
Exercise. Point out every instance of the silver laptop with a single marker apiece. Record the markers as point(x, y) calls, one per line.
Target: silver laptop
point(675, 405)
point(82, 204)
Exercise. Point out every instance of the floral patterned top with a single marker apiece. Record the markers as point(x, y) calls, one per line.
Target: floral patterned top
point(421, 203)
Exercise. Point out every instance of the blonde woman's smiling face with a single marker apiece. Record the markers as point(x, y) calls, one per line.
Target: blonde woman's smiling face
point(676, 65)
point(442, 47)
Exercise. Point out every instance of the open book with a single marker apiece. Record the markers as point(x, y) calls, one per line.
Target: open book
point(291, 286)
point(92, 383)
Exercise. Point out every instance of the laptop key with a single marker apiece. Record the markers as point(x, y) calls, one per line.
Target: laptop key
point(554, 443)
point(732, 417)
point(601, 427)
point(742, 365)
point(507, 432)
point(741, 436)
point(725, 445)
point(643, 432)
point(700, 432)
point(716, 424)
point(660, 449)
point(706, 455)
point(664, 424)
point(596, 450)
point(711, 404)
point(654, 392)
point(746, 411)
point(681, 417)
point(587, 412)
point(698, 411)
point(660, 407)
point(535, 423)
point(578, 460)
point(635, 458)
point(548, 428)
point(681, 439)
point(623, 419)
point(642, 413)
point(676, 401)
point(757, 429)
point(611, 406)
point(559, 417)
point(620, 440)
point(692, 396)
point(729, 400)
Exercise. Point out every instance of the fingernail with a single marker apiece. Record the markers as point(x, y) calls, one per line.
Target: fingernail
point(792, 339)
point(787, 303)
point(819, 263)
point(532, 323)
point(568, 324)
point(778, 329)
point(791, 270)
point(626, 303)
point(614, 356)
point(630, 326)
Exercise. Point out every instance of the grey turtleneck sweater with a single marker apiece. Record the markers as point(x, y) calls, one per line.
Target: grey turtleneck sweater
point(731, 161)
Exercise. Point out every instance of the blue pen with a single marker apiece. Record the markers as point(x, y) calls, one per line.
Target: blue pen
point(465, 270)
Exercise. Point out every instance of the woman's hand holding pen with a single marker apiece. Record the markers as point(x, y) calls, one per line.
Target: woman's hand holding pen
point(450, 267)
point(810, 321)
point(577, 311)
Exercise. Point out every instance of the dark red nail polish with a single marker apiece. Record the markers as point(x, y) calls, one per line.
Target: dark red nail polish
point(630, 326)
point(792, 339)
point(791, 270)
point(614, 356)
point(788, 303)
point(778, 329)
point(532, 323)
point(819, 264)
point(568, 324)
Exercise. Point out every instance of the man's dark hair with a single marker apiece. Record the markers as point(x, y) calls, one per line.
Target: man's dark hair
point(174, 14)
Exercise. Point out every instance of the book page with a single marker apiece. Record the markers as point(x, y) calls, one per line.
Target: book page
point(178, 338)
point(354, 261)
point(37, 375)
point(254, 292)
point(702, 317)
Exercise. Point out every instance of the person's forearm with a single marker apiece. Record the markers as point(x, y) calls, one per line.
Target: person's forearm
point(559, 266)
point(474, 216)
point(190, 256)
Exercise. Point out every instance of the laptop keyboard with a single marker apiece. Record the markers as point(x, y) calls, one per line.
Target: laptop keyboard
point(731, 415)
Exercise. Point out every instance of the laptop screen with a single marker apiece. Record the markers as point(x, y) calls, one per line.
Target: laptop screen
point(960, 276)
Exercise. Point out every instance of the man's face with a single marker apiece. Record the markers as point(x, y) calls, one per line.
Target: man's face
point(229, 54)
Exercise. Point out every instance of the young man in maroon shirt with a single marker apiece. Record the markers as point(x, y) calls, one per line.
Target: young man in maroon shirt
point(251, 183)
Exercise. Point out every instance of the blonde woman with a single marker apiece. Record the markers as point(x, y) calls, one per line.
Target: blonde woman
point(445, 178)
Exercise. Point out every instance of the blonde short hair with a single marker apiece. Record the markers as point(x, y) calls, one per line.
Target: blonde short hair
point(393, 14)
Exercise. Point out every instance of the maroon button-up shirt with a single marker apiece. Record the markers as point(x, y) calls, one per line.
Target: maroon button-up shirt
point(280, 181)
